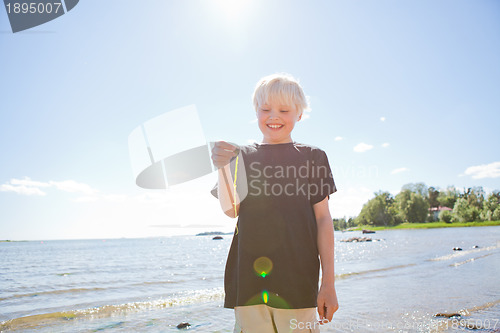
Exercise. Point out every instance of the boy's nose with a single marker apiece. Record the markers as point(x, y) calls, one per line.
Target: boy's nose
point(273, 114)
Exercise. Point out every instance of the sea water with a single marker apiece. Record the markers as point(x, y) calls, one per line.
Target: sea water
point(395, 283)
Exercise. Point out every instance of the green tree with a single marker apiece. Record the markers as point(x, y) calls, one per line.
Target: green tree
point(419, 188)
point(474, 196)
point(491, 207)
point(448, 197)
point(469, 205)
point(351, 222)
point(378, 211)
point(432, 196)
point(340, 224)
point(412, 206)
point(464, 212)
point(445, 216)
point(495, 194)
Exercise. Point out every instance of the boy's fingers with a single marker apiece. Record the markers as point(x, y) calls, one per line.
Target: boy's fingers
point(223, 152)
point(330, 310)
point(225, 145)
point(321, 310)
point(328, 313)
point(222, 157)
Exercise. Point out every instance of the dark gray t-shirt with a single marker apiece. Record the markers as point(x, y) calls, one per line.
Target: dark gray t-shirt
point(273, 257)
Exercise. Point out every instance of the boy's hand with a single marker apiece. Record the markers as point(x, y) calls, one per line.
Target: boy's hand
point(222, 153)
point(327, 303)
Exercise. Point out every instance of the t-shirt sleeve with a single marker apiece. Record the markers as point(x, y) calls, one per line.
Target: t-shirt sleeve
point(321, 183)
point(215, 190)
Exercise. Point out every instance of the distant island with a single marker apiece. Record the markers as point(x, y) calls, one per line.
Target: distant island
point(213, 233)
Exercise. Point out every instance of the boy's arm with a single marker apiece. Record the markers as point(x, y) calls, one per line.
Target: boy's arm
point(228, 199)
point(222, 153)
point(327, 297)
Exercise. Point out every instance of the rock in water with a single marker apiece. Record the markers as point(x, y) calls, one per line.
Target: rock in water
point(357, 239)
point(447, 315)
point(183, 325)
point(217, 237)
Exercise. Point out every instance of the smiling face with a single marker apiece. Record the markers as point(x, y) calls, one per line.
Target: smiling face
point(279, 101)
point(277, 121)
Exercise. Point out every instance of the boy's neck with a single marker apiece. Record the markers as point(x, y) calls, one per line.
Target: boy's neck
point(264, 142)
point(274, 143)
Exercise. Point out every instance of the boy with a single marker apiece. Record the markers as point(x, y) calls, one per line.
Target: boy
point(284, 225)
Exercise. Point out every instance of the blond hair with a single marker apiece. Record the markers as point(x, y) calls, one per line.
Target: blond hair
point(281, 88)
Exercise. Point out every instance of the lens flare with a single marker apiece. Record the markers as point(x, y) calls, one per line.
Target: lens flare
point(265, 296)
point(270, 298)
point(263, 266)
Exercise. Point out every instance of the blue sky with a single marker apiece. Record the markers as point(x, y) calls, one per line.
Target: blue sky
point(400, 92)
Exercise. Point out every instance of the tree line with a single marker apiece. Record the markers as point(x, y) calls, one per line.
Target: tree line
point(413, 202)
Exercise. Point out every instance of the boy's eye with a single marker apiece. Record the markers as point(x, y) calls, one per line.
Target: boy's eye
point(264, 110)
point(284, 110)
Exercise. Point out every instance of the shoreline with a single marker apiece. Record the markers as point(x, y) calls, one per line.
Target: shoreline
point(406, 225)
point(11, 241)
point(426, 225)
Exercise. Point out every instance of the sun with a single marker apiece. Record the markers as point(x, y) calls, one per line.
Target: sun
point(233, 9)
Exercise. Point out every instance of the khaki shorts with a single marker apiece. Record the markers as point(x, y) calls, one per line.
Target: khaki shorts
point(265, 319)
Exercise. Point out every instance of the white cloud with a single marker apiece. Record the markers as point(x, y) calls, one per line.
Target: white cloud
point(73, 186)
point(338, 138)
point(362, 147)
point(28, 182)
point(21, 189)
point(27, 186)
point(382, 119)
point(491, 170)
point(385, 145)
point(251, 141)
point(398, 170)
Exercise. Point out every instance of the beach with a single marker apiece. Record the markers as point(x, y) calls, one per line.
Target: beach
point(395, 283)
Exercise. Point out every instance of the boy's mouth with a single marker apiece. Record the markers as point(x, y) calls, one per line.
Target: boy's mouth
point(274, 126)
